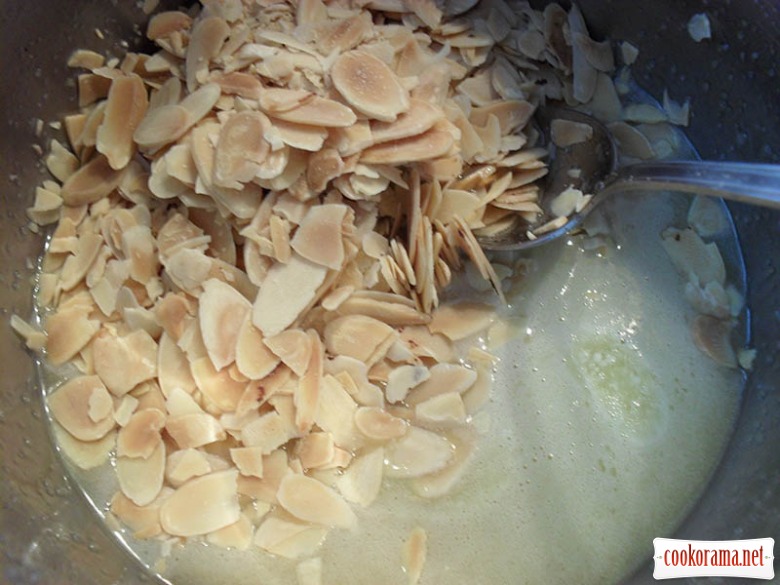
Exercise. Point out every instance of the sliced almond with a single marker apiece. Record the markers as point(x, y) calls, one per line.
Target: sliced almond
point(217, 386)
point(301, 136)
point(420, 117)
point(307, 395)
point(215, 498)
point(126, 107)
point(253, 358)
point(442, 409)
point(206, 41)
point(141, 435)
point(378, 424)
point(241, 149)
point(161, 126)
point(90, 183)
point(336, 414)
point(249, 460)
point(286, 536)
point(402, 379)
point(268, 432)
point(194, 430)
point(326, 113)
point(443, 378)
point(441, 482)
point(361, 482)
point(693, 257)
point(312, 501)
point(319, 236)
point(369, 85)
point(293, 347)
point(164, 23)
point(417, 453)
point(426, 146)
point(222, 311)
point(357, 336)
point(285, 292)
point(70, 406)
point(124, 362)
point(237, 535)
point(173, 368)
point(185, 464)
point(462, 320)
point(316, 449)
point(144, 521)
point(142, 479)
point(414, 553)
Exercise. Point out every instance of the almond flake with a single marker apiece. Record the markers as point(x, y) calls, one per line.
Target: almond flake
point(417, 453)
point(429, 145)
point(237, 535)
point(91, 182)
point(312, 501)
point(376, 423)
point(85, 454)
point(215, 498)
point(413, 555)
point(194, 430)
point(462, 320)
point(284, 535)
point(141, 435)
point(319, 236)
point(126, 107)
point(357, 336)
point(241, 149)
point(441, 409)
point(124, 362)
point(185, 464)
point(70, 406)
point(402, 379)
point(249, 460)
point(217, 386)
point(142, 479)
point(222, 311)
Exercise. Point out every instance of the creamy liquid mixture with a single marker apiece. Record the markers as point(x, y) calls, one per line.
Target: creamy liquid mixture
point(604, 427)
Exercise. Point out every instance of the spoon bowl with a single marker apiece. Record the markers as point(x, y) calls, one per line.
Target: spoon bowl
point(592, 167)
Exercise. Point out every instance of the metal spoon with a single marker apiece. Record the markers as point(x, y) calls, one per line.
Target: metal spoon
point(596, 159)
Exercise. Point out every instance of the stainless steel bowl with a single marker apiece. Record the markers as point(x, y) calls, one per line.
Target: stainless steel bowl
point(47, 532)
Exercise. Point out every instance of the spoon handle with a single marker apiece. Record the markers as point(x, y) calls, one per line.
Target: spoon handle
point(758, 184)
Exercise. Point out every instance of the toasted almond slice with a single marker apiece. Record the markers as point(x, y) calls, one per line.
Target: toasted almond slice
point(76, 267)
point(413, 554)
point(61, 162)
point(237, 535)
point(420, 118)
point(342, 34)
point(319, 236)
point(241, 149)
point(179, 402)
point(369, 85)
point(293, 347)
point(357, 336)
point(301, 136)
point(693, 257)
point(249, 460)
point(142, 479)
point(333, 300)
point(567, 133)
point(324, 166)
point(70, 406)
point(194, 430)
point(173, 313)
point(361, 481)
point(222, 311)
point(316, 449)
point(511, 115)
point(91, 182)
point(476, 396)
point(164, 23)
point(336, 414)
point(631, 141)
point(268, 432)
point(206, 41)
point(126, 107)
point(218, 387)
point(442, 409)
point(462, 320)
point(161, 126)
point(426, 146)
point(326, 113)
point(85, 454)
point(124, 362)
point(307, 394)
point(417, 453)
point(441, 482)
point(141, 435)
point(241, 84)
point(376, 423)
point(423, 343)
point(443, 378)
point(138, 247)
point(356, 380)
point(713, 337)
point(68, 331)
point(286, 536)
point(215, 498)
point(275, 100)
point(173, 368)
point(253, 358)
point(312, 501)
point(404, 378)
point(392, 313)
point(285, 293)
point(185, 464)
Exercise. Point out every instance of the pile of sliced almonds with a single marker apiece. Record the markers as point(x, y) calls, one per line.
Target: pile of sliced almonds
point(254, 226)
